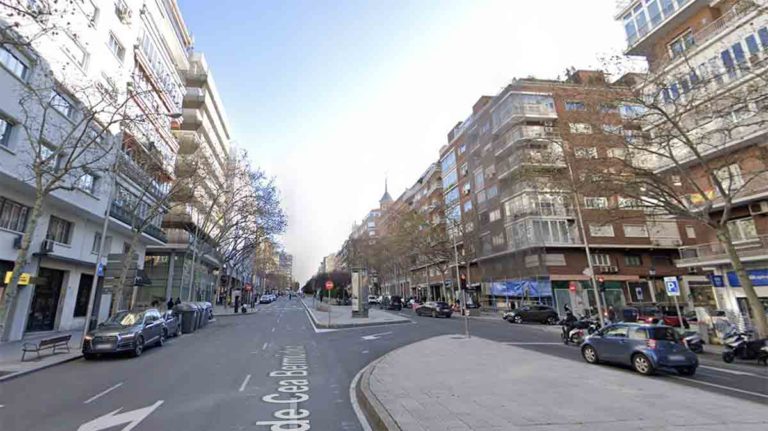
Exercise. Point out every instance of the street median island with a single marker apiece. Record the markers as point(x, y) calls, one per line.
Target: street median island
point(448, 382)
point(341, 316)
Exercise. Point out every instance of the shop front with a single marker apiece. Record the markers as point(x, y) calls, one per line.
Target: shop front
point(521, 291)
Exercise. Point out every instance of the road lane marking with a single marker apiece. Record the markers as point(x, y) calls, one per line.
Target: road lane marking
point(273, 329)
point(725, 370)
point(375, 336)
point(728, 388)
point(113, 419)
point(245, 382)
point(101, 394)
point(264, 347)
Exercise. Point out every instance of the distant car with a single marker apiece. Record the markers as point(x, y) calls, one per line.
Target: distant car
point(392, 302)
point(126, 331)
point(646, 348)
point(532, 313)
point(435, 309)
point(373, 299)
point(172, 323)
point(651, 314)
point(265, 299)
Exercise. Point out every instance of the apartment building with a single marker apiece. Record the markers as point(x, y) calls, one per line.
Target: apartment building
point(120, 49)
point(188, 265)
point(705, 52)
point(527, 148)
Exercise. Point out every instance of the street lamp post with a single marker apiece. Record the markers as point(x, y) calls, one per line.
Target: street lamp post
point(462, 304)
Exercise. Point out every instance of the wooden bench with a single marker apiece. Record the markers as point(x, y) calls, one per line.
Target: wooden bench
point(52, 343)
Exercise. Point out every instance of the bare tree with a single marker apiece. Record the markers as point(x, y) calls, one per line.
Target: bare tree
point(22, 22)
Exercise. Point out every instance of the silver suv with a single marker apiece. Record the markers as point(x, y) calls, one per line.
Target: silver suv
point(126, 331)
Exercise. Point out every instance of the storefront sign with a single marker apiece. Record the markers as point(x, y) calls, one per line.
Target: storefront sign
point(530, 288)
point(759, 277)
point(717, 280)
point(24, 278)
point(639, 293)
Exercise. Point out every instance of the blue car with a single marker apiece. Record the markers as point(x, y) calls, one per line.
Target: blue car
point(646, 348)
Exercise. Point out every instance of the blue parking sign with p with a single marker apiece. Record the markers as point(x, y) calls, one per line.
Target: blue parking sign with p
point(672, 285)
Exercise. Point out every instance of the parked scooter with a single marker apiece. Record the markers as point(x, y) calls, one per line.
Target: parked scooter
point(694, 341)
point(738, 345)
point(578, 330)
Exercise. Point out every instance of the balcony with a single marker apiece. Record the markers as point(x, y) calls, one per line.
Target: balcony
point(714, 253)
point(550, 156)
point(517, 107)
point(119, 213)
point(131, 170)
point(647, 32)
point(526, 133)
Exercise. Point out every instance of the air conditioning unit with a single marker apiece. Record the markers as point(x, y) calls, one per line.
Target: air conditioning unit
point(46, 246)
point(17, 242)
point(756, 208)
point(123, 12)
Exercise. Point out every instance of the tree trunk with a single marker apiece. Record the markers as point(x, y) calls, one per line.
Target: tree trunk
point(9, 297)
point(125, 264)
point(759, 319)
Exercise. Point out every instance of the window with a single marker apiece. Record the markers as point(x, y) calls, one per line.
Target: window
point(74, 50)
point(608, 108)
point(762, 33)
point(451, 197)
point(629, 203)
point(453, 215)
point(738, 54)
point(462, 148)
point(690, 232)
point(14, 64)
point(87, 183)
point(580, 128)
point(617, 153)
point(681, 44)
point(575, 106)
point(63, 104)
point(448, 161)
point(616, 332)
point(586, 153)
point(464, 170)
point(465, 188)
point(742, 229)
point(83, 295)
point(479, 180)
point(13, 216)
point(96, 243)
point(654, 14)
point(450, 179)
point(629, 111)
point(596, 202)
point(6, 129)
point(612, 129)
point(635, 231)
point(59, 230)
point(633, 260)
point(601, 259)
point(553, 231)
point(730, 67)
point(730, 177)
point(752, 45)
point(116, 47)
point(494, 215)
point(481, 196)
point(492, 192)
point(498, 240)
point(601, 230)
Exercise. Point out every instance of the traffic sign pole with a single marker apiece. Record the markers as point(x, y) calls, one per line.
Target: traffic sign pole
point(673, 290)
point(329, 287)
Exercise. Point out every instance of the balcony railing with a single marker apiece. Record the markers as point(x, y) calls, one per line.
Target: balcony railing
point(541, 211)
point(522, 133)
point(553, 156)
point(137, 174)
point(714, 251)
point(126, 217)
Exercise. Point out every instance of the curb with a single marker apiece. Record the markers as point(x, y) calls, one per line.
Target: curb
point(320, 325)
point(25, 372)
point(372, 410)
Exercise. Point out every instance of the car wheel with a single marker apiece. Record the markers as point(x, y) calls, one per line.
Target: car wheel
point(89, 356)
point(551, 320)
point(518, 319)
point(687, 371)
point(163, 336)
point(138, 347)
point(728, 357)
point(178, 331)
point(642, 364)
point(434, 314)
point(590, 354)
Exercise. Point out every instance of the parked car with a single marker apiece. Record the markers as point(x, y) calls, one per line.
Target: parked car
point(391, 302)
point(265, 299)
point(646, 348)
point(172, 323)
point(532, 313)
point(435, 309)
point(126, 331)
point(652, 314)
point(373, 299)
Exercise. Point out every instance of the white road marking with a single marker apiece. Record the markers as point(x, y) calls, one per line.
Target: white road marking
point(273, 329)
point(264, 347)
point(112, 419)
point(1, 406)
point(245, 382)
point(100, 394)
point(364, 351)
point(728, 388)
point(534, 343)
point(725, 370)
point(375, 336)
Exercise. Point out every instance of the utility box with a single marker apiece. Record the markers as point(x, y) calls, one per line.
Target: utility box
point(359, 293)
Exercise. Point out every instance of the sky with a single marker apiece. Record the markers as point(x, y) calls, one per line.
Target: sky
point(331, 97)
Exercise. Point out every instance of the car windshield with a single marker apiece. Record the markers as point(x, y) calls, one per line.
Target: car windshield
point(442, 304)
point(125, 319)
point(663, 334)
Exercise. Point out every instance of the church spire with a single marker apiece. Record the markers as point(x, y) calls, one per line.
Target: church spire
point(386, 199)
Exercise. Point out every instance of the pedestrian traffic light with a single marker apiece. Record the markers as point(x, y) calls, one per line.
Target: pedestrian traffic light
point(601, 283)
point(463, 281)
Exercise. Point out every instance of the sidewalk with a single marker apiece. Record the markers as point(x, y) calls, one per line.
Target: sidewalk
point(341, 316)
point(516, 390)
point(10, 355)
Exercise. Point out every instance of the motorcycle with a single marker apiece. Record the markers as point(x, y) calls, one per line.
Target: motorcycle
point(578, 330)
point(694, 342)
point(738, 345)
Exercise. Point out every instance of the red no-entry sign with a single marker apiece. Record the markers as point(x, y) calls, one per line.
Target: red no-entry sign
point(329, 285)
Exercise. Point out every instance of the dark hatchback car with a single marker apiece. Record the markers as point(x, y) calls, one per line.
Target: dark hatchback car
point(532, 313)
point(435, 309)
point(126, 331)
point(391, 303)
point(644, 347)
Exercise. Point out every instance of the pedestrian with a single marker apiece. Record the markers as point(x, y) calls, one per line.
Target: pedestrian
point(611, 314)
point(170, 303)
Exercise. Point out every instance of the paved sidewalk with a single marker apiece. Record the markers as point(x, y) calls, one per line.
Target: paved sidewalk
point(519, 389)
point(341, 316)
point(10, 355)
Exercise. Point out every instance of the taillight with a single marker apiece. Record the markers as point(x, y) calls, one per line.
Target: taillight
point(651, 344)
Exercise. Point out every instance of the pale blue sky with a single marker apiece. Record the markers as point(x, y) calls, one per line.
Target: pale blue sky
point(329, 96)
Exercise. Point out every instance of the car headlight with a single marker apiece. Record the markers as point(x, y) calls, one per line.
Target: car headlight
point(128, 336)
point(88, 337)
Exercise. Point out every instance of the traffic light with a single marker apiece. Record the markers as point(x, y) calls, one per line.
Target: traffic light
point(601, 283)
point(463, 281)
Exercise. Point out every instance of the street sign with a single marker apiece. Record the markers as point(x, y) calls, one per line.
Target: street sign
point(24, 278)
point(329, 285)
point(672, 285)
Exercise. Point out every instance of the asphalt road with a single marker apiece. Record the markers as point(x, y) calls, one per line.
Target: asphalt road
point(268, 367)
